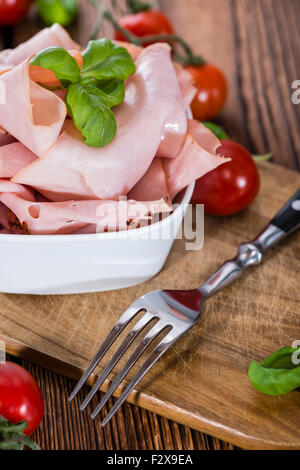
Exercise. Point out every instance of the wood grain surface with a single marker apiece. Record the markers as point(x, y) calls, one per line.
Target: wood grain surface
point(256, 43)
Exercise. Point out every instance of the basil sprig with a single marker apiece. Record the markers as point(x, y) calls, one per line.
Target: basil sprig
point(278, 374)
point(93, 89)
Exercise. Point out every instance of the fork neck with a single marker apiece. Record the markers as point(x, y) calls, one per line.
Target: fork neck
point(249, 254)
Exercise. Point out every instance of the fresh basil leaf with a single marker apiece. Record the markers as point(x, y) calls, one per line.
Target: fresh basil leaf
point(103, 59)
point(91, 115)
point(60, 62)
point(277, 374)
point(111, 91)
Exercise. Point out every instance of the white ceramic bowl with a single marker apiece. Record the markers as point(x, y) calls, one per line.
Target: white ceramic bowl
point(67, 264)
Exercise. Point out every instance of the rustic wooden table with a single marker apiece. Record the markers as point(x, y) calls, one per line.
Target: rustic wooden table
point(257, 44)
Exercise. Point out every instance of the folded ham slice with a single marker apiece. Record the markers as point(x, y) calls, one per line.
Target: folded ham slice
point(8, 220)
point(153, 185)
point(14, 157)
point(196, 158)
point(185, 80)
point(68, 217)
point(4, 222)
point(30, 113)
point(186, 85)
point(152, 112)
point(5, 137)
point(48, 37)
point(167, 177)
point(7, 186)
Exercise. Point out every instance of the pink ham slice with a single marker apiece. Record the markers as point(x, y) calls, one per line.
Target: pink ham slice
point(7, 218)
point(185, 80)
point(152, 106)
point(203, 136)
point(7, 186)
point(186, 85)
point(54, 36)
point(166, 178)
point(196, 158)
point(13, 158)
point(4, 223)
point(73, 216)
point(30, 113)
point(153, 185)
point(5, 137)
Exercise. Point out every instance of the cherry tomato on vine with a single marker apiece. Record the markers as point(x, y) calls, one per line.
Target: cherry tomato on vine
point(13, 11)
point(145, 23)
point(20, 396)
point(211, 90)
point(230, 187)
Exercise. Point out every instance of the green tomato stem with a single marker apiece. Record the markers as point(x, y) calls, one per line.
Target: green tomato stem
point(222, 135)
point(97, 27)
point(135, 6)
point(108, 16)
point(188, 59)
point(12, 437)
point(262, 158)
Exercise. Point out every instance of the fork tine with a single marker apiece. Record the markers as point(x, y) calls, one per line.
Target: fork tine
point(147, 340)
point(163, 346)
point(123, 321)
point(140, 325)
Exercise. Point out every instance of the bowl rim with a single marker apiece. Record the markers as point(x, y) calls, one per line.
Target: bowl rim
point(15, 238)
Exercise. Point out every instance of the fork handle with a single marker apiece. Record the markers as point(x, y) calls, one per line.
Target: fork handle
point(285, 221)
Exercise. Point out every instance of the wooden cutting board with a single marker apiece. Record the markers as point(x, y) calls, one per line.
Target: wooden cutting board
point(202, 382)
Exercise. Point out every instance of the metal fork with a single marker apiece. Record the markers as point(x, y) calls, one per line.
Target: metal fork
point(175, 312)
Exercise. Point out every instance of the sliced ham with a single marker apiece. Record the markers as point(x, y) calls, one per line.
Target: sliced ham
point(185, 80)
point(8, 219)
point(195, 159)
point(153, 185)
point(13, 158)
point(5, 137)
point(7, 186)
point(205, 138)
point(4, 223)
point(166, 178)
point(73, 216)
point(5, 68)
point(186, 85)
point(74, 188)
point(48, 37)
point(31, 113)
point(152, 112)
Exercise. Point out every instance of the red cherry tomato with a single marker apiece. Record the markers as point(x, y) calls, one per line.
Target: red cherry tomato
point(12, 11)
point(145, 23)
point(20, 396)
point(230, 187)
point(211, 91)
